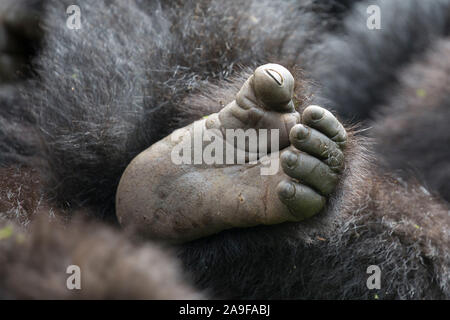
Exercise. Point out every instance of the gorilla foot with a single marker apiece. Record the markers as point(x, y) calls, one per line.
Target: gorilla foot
point(180, 198)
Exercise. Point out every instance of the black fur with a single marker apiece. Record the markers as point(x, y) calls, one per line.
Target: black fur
point(134, 72)
point(19, 39)
point(359, 68)
point(364, 72)
point(18, 141)
point(412, 129)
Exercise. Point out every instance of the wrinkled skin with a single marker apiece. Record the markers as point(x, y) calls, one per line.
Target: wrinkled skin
point(186, 201)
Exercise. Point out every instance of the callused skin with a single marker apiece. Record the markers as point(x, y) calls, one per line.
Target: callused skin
point(179, 202)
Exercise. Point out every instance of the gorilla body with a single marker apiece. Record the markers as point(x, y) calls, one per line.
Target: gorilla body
point(136, 71)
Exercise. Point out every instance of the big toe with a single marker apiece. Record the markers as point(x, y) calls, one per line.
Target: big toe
point(274, 87)
point(264, 102)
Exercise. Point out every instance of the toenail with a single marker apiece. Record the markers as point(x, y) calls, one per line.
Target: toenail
point(302, 132)
point(273, 87)
point(286, 190)
point(317, 114)
point(289, 158)
point(276, 76)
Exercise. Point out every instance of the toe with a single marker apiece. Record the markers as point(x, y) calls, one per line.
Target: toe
point(302, 201)
point(274, 86)
point(324, 121)
point(309, 170)
point(264, 102)
point(318, 145)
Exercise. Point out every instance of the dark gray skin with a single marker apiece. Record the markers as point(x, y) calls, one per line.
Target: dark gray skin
point(183, 202)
